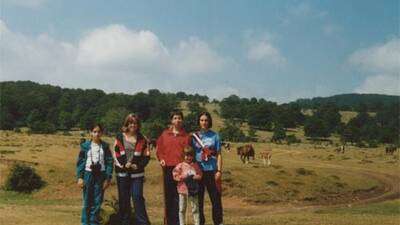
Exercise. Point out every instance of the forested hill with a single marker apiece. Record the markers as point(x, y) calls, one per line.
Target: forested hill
point(351, 102)
point(47, 109)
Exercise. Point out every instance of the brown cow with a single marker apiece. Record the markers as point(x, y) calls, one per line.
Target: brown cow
point(245, 152)
point(390, 149)
point(266, 157)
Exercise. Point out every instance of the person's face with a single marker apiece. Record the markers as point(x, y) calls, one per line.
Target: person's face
point(188, 158)
point(177, 121)
point(96, 133)
point(204, 122)
point(133, 126)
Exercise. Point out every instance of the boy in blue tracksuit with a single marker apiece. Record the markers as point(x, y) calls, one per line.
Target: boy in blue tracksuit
point(94, 172)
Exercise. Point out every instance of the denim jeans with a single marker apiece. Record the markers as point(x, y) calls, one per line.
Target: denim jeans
point(92, 198)
point(132, 188)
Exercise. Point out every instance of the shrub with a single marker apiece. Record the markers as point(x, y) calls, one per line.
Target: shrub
point(304, 172)
point(291, 139)
point(23, 179)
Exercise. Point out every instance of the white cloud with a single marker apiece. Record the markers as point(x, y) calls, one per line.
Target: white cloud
point(27, 3)
point(382, 65)
point(115, 45)
point(380, 84)
point(264, 51)
point(380, 58)
point(112, 58)
point(195, 56)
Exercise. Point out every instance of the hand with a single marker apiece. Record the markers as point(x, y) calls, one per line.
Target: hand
point(106, 184)
point(80, 183)
point(133, 166)
point(162, 162)
point(218, 175)
point(128, 165)
point(119, 165)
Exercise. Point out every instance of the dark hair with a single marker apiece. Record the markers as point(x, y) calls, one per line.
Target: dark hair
point(175, 112)
point(130, 118)
point(96, 125)
point(207, 114)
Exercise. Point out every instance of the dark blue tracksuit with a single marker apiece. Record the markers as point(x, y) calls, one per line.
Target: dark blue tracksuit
point(93, 183)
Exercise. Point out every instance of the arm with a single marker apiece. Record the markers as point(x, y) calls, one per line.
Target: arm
point(160, 150)
point(219, 157)
point(177, 173)
point(114, 156)
point(108, 161)
point(145, 156)
point(199, 174)
point(218, 174)
point(81, 163)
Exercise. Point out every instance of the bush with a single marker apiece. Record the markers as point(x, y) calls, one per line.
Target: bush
point(23, 179)
point(291, 139)
point(304, 172)
point(233, 133)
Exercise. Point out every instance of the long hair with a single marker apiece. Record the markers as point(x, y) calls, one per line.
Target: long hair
point(131, 118)
point(208, 115)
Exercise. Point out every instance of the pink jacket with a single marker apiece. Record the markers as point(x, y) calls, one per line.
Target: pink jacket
point(182, 170)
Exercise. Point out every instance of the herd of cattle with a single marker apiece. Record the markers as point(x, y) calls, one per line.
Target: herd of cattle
point(247, 151)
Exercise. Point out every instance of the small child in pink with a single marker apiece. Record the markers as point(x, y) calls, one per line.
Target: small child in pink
point(188, 173)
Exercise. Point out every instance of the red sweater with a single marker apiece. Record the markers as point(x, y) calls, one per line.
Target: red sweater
point(170, 146)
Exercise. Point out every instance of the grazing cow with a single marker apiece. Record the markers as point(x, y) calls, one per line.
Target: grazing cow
point(226, 145)
point(390, 149)
point(245, 152)
point(266, 157)
point(340, 149)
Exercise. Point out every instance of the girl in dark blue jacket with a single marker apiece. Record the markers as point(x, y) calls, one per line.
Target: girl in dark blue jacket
point(94, 172)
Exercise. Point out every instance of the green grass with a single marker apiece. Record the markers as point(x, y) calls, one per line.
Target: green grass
point(382, 208)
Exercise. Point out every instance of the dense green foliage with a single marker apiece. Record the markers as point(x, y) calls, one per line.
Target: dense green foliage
point(351, 102)
point(46, 108)
point(232, 132)
point(23, 179)
point(260, 113)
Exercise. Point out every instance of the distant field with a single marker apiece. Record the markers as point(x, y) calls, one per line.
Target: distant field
point(303, 186)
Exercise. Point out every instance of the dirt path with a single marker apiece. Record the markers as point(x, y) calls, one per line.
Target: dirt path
point(389, 190)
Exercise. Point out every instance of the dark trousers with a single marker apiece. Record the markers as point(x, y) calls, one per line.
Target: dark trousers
point(132, 188)
point(92, 198)
point(208, 181)
point(171, 198)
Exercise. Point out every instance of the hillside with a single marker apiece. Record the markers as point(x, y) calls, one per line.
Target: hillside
point(351, 102)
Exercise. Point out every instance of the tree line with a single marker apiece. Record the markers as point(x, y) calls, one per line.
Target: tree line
point(323, 121)
point(47, 108)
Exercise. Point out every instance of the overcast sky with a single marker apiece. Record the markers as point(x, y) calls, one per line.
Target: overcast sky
point(277, 50)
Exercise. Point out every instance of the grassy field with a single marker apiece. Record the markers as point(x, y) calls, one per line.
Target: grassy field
point(303, 186)
point(306, 184)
